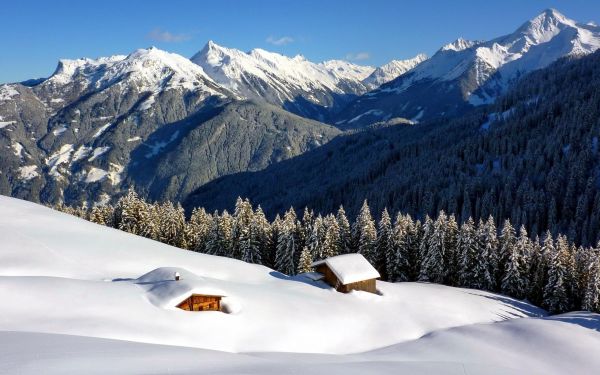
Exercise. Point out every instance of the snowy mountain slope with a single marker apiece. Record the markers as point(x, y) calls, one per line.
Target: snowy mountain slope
point(555, 345)
point(87, 291)
point(49, 261)
point(298, 85)
point(392, 70)
point(466, 73)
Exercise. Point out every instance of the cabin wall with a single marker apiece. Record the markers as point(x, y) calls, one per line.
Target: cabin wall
point(198, 302)
point(364, 285)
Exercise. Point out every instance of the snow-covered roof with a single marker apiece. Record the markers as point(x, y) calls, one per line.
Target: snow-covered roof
point(164, 291)
point(314, 276)
point(350, 268)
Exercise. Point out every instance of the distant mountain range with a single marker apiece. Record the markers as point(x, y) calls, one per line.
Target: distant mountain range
point(167, 125)
point(465, 73)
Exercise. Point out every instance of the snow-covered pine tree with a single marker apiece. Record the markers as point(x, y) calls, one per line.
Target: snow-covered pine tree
point(196, 229)
point(331, 241)
point(415, 235)
point(557, 294)
point(591, 296)
point(306, 260)
point(171, 222)
point(286, 244)
point(129, 213)
point(432, 260)
point(425, 235)
point(451, 255)
point(102, 215)
point(515, 279)
point(364, 233)
point(488, 242)
point(269, 255)
point(345, 244)
point(539, 269)
point(506, 245)
point(250, 243)
point(468, 248)
point(243, 216)
point(218, 240)
point(396, 260)
point(316, 238)
point(263, 233)
point(384, 245)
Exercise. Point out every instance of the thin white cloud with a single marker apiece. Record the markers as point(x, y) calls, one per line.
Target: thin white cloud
point(159, 35)
point(284, 40)
point(358, 56)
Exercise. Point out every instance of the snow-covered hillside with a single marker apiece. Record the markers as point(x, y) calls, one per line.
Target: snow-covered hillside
point(60, 275)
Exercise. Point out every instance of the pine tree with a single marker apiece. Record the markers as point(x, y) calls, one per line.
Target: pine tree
point(286, 244)
point(557, 297)
point(243, 216)
point(365, 233)
point(591, 298)
point(331, 240)
point(345, 245)
point(197, 229)
point(219, 237)
point(432, 258)
point(250, 243)
point(506, 245)
point(102, 215)
point(514, 282)
point(451, 253)
point(488, 254)
point(384, 245)
point(306, 260)
point(468, 248)
point(316, 239)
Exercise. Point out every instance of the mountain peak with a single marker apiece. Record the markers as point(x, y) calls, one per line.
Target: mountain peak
point(459, 45)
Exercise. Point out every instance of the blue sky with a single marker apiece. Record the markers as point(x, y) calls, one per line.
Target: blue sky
point(35, 34)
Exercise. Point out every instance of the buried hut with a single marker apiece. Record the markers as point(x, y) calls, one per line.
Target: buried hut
point(170, 287)
point(347, 272)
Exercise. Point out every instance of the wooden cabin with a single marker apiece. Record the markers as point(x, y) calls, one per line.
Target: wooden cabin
point(201, 302)
point(348, 272)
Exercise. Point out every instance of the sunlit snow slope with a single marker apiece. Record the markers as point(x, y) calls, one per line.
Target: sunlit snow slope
point(62, 277)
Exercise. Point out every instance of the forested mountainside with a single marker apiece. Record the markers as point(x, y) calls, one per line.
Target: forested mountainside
point(532, 157)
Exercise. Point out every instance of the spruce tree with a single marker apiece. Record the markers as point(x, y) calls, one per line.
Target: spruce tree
point(433, 268)
point(345, 238)
point(514, 282)
point(365, 233)
point(468, 248)
point(591, 297)
point(331, 240)
point(286, 244)
point(305, 263)
point(557, 297)
point(384, 245)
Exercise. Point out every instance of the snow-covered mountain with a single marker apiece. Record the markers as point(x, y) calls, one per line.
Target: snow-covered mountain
point(82, 298)
point(76, 135)
point(298, 85)
point(392, 70)
point(466, 73)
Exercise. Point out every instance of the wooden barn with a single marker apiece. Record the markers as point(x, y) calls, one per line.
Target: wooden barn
point(201, 302)
point(348, 272)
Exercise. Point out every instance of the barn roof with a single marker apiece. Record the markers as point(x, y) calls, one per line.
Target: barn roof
point(350, 268)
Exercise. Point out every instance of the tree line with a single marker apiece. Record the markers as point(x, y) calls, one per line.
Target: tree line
point(549, 272)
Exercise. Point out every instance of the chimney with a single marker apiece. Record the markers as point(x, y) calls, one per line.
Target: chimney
point(177, 276)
